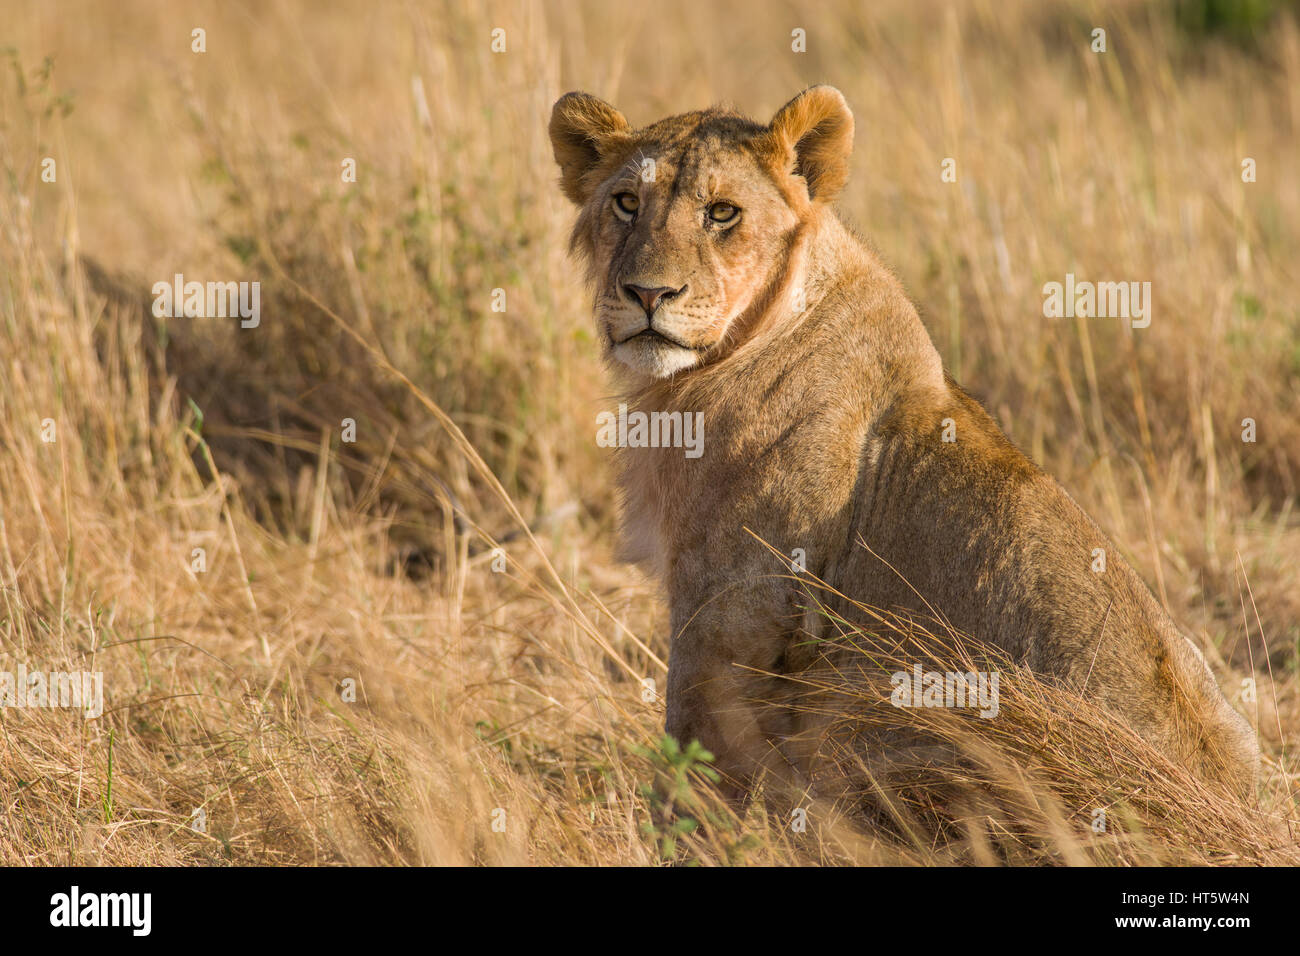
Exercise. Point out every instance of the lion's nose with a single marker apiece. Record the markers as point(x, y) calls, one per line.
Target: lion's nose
point(650, 299)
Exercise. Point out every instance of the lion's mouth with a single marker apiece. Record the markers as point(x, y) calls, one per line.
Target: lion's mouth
point(650, 334)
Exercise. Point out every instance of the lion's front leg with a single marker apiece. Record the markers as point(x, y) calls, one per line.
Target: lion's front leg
point(720, 691)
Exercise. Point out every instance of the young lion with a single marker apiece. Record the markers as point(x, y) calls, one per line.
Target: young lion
point(726, 285)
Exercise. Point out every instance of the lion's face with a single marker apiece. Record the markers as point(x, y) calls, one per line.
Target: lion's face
point(686, 224)
point(679, 257)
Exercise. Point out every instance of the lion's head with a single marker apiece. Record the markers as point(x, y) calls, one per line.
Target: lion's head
point(687, 224)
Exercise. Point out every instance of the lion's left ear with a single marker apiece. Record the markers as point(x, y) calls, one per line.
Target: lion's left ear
point(813, 134)
point(583, 127)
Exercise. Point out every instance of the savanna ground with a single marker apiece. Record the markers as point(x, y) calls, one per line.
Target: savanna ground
point(520, 691)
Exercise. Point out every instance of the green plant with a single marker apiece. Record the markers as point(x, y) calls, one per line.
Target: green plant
point(676, 807)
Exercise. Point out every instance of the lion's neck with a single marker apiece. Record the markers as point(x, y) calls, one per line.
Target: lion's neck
point(857, 337)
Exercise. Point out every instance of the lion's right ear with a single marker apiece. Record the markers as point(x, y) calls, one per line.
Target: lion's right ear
point(583, 127)
point(813, 136)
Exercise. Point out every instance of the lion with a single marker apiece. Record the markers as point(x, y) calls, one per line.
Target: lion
point(727, 286)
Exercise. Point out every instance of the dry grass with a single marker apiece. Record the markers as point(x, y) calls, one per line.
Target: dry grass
point(520, 691)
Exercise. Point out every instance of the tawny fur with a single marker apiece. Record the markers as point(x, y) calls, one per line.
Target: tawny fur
point(823, 431)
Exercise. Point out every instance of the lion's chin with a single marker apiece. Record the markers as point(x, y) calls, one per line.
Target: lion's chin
point(654, 358)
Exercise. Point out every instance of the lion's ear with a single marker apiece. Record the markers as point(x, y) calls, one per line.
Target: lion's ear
point(582, 129)
point(813, 134)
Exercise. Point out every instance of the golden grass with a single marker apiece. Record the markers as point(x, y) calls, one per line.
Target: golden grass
point(521, 691)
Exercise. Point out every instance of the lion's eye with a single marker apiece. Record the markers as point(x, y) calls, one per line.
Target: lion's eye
point(626, 204)
point(723, 212)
